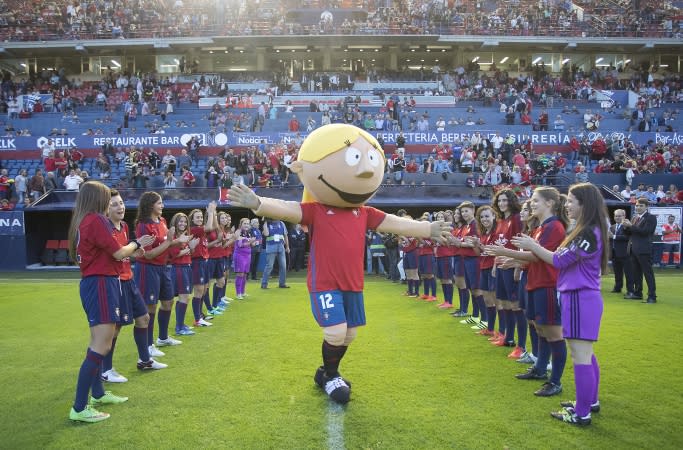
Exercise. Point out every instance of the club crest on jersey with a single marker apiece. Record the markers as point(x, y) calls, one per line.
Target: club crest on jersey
point(501, 239)
point(356, 212)
point(330, 212)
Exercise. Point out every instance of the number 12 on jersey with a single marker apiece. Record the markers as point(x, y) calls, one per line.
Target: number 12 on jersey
point(326, 301)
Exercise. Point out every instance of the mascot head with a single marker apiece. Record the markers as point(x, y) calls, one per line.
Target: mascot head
point(340, 165)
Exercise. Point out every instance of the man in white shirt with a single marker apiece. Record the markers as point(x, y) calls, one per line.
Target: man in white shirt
point(72, 181)
point(48, 148)
point(497, 142)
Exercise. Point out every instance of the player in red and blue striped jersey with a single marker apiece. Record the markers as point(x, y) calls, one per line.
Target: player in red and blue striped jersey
point(506, 204)
point(444, 268)
point(547, 205)
point(468, 273)
point(152, 276)
point(426, 262)
point(200, 227)
point(485, 292)
point(132, 306)
point(217, 263)
point(410, 263)
point(181, 271)
point(458, 269)
point(93, 246)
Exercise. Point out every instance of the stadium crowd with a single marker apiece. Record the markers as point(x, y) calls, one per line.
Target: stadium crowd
point(21, 21)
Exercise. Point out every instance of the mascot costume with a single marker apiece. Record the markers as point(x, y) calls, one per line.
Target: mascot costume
point(341, 168)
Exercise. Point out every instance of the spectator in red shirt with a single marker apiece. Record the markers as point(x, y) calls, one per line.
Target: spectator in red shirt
point(527, 175)
point(543, 121)
point(61, 164)
point(294, 124)
point(188, 177)
point(518, 159)
point(574, 146)
point(4, 185)
point(599, 148)
point(49, 162)
point(412, 166)
point(561, 163)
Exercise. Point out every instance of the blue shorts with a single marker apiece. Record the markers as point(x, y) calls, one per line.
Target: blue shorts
point(487, 282)
point(458, 268)
point(505, 284)
point(444, 267)
point(154, 282)
point(410, 260)
point(181, 277)
point(334, 307)
point(132, 305)
point(471, 269)
point(544, 307)
point(200, 271)
point(216, 268)
point(426, 265)
point(227, 262)
point(101, 299)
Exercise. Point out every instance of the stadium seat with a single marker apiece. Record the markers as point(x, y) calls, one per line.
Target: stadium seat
point(49, 252)
point(62, 253)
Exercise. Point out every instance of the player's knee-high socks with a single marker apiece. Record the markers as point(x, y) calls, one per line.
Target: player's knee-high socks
point(483, 312)
point(543, 355)
point(596, 372)
point(475, 307)
point(206, 299)
point(140, 338)
point(447, 289)
point(533, 335)
point(216, 295)
point(491, 314)
point(150, 328)
point(89, 372)
point(197, 308)
point(521, 328)
point(164, 320)
point(107, 361)
point(464, 295)
point(586, 384)
point(332, 356)
point(559, 353)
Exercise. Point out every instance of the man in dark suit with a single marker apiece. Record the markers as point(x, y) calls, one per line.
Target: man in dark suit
point(621, 264)
point(641, 230)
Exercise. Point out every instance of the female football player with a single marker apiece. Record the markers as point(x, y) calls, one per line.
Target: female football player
point(581, 259)
point(93, 246)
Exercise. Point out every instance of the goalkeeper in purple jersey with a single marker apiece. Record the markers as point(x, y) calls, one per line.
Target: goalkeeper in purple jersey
point(580, 259)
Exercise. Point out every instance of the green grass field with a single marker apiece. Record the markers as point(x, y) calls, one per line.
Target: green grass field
point(420, 379)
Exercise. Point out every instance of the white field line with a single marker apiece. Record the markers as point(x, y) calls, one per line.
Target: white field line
point(335, 426)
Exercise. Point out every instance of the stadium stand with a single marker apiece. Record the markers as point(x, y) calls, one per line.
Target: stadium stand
point(117, 125)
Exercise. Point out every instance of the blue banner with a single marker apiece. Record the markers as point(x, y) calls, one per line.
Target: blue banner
point(176, 140)
point(11, 223)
